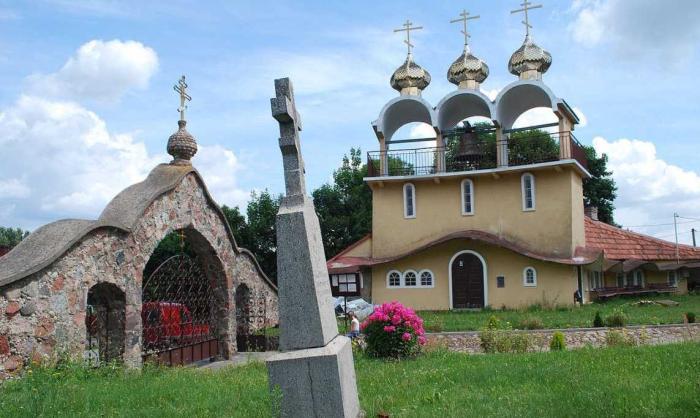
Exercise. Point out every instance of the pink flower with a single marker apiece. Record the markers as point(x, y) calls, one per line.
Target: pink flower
point(406, 336)
point(396, 320)
point(389, 328)
point(422, 340)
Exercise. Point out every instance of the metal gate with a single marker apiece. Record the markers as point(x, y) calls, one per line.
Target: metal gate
point(179, 313)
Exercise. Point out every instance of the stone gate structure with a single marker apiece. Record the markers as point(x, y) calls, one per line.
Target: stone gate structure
point(70, 276)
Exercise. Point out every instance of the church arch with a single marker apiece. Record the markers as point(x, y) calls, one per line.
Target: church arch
point(463, 104)
point(401, 111)
point(521, 96)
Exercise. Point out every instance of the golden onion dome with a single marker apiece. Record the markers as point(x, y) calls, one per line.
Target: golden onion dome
point(529, 59)
point(410, 76)
point(467, 68)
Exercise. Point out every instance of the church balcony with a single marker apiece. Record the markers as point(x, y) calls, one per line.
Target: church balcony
point(478, 152)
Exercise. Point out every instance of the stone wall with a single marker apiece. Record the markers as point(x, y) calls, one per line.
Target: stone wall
point(43, 315)
point(469, 342)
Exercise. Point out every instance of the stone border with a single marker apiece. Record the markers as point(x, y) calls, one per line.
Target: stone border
point(469, 341)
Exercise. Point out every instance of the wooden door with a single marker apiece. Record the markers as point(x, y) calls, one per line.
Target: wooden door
point(467, 282)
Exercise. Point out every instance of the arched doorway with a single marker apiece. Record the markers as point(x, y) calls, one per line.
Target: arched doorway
point(183, 309)
point(467, 281)
point(105, 320)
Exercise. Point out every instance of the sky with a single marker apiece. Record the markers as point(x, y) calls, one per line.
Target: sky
point(87, 105)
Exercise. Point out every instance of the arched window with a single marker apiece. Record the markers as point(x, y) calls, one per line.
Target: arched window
point(467, 197)
point(410, 279)
point(426, 278)
point(393, 279)
point(527, 183)
point(529, 277)
point(409, 200)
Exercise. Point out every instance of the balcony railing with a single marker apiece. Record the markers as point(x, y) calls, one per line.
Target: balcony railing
point(481, 152)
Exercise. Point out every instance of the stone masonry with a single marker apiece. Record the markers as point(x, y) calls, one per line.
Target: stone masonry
point(43, 314)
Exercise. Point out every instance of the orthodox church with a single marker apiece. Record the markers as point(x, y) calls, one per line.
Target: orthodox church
point(492, 215)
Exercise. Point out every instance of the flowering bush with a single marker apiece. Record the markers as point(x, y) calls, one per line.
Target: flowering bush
point(393, 330)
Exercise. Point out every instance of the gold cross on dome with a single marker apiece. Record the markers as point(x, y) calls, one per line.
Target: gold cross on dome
point(464, 18)
point(181, 87)
point(526, 6)
point(408, 27)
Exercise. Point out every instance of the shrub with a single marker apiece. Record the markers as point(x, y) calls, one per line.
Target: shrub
point(498, 337)
point(393, 330)
point(616, 319)
point(615, 338)
point(690, 316)
point(598, 320)
point(558, 343)
point(531, 322)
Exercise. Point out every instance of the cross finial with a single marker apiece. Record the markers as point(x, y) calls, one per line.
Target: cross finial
point(408, 27)
point(526, 6)
point(181, 87)
point(464, 18)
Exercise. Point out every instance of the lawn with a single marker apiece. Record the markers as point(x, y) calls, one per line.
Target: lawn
point(633, 381)
point(567, 317)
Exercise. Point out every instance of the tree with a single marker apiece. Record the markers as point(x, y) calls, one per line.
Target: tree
point(344, 208)
point(10, 237)
point(599, 190)
point(257, 232)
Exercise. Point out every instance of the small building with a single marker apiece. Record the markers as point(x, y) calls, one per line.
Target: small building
point(100, 289)
point(491, 215)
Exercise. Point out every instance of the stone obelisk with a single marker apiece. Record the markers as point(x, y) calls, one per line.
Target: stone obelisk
point(314, 371)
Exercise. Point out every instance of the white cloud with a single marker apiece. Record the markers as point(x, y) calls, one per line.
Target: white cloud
point(219, 167)
point(650, 190)
point(639, 29)
point(65, 152)
point(582, 119)
point(101, 71)
point(75, 165)
point(536, 116)
point(13, 188)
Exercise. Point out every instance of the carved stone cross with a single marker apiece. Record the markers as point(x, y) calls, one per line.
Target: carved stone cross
point(285, 112)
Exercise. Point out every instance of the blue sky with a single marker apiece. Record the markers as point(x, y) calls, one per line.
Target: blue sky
point(87, 105)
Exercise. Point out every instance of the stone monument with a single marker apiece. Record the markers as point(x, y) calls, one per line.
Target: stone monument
point(314, 371)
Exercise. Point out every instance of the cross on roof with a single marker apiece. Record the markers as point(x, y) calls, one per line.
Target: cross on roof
point(526, 6)
point(181, 87)
point(408, 27)
point(464, 17)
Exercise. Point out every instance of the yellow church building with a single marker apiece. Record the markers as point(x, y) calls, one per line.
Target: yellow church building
point(489, 214)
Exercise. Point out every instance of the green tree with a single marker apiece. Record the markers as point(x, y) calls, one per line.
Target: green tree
point(599, 190)
point(10, 237)
point(344, 208)
point(257, 231)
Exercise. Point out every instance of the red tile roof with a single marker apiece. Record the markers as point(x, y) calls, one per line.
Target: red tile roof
point(619, 244)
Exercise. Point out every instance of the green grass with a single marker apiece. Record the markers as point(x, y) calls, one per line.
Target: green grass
point(635, 381)
point(567, 317)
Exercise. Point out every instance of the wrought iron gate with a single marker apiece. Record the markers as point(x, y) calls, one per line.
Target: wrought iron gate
point(179, 313)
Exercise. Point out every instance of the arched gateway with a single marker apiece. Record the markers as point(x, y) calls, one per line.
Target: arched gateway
point(67, 273)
